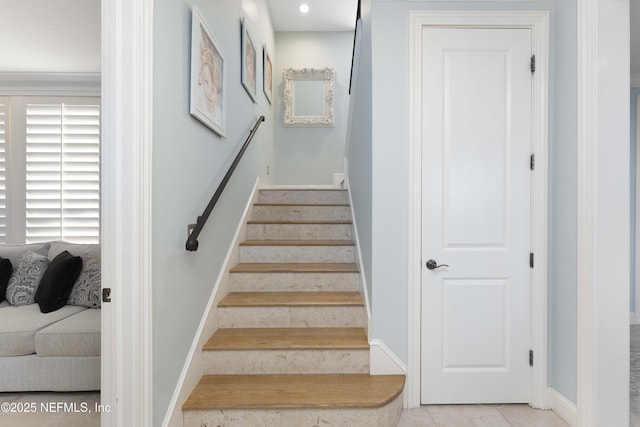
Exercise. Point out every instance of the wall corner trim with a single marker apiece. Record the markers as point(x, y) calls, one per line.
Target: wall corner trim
point(562, 406)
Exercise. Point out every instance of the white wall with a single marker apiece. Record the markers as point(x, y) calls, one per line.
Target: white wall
point(50, 36)
point(312, 155)
point(189, 161)
point(389, 188)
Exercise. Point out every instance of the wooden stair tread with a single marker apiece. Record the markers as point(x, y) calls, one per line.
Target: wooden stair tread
point(301, 222)
point(287, 339)
point(294, 391)
point(297, 243)
point(299, 204)
point(302, 190)
point(295, 268)
point(295, 299)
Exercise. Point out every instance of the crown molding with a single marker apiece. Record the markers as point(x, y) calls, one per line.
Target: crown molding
point(42, 84)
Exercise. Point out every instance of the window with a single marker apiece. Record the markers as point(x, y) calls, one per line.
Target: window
point(54, 170)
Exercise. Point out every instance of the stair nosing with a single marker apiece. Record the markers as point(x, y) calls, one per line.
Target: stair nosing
point(305, 242)
point(300, 222)
point(288, 339)
point(290, 267)
point(300, 204)
point(291, 299)
point(303, 189)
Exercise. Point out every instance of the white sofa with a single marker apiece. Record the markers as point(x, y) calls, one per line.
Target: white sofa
point(56, 351)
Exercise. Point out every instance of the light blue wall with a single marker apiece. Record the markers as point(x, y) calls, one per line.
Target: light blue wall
point(312, 155)
point(359, 155)
point(189, 161)
point(388, 174)
point(563, 202)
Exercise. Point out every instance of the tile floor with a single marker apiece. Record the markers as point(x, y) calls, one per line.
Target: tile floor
point(427, 416)
point(479, 416)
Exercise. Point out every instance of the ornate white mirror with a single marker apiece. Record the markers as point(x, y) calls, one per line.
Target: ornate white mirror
point(308, 97)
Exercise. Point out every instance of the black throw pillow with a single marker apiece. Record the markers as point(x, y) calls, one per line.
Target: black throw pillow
point(57, 281)
point(6, 269)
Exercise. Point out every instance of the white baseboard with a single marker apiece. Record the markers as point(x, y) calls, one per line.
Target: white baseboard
point(383, 361)
point(562, 406)
point(194, 365)
point(363, 280)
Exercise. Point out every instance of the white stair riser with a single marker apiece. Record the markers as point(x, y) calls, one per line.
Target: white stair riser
point(297, 254)
point(386, 416)
point(299, 232)
point(304, 196)
point(248, 362)
point(301, 212)
point(295, 282)
point(291, 317)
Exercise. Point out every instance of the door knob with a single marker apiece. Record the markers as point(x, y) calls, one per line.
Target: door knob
point(432, 264)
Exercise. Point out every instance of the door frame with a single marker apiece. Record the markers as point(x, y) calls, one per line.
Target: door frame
point(603, 161)
point(538, 23)
point(126, 206)
point(635, 315)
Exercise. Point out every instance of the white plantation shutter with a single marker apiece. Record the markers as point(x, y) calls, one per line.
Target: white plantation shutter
point(62, 172)
point(4, 130)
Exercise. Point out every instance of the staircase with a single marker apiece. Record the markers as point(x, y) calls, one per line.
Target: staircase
point(291, 348)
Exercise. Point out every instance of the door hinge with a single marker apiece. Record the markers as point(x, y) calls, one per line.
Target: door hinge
point(530, 357)
point(532, 162)
point(531, 260)
point(106, 294)
point(533, 63)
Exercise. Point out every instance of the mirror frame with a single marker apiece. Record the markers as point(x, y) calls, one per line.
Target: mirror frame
point(326, 75)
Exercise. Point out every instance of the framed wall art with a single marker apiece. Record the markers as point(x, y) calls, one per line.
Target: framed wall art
point(248, 62)
point(208, 77)
point(267, 74)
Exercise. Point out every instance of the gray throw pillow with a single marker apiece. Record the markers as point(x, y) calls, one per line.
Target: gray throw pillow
point(86, 290)
point(22, 286)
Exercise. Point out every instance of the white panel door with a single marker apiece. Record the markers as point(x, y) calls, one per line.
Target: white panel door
point(476, 142)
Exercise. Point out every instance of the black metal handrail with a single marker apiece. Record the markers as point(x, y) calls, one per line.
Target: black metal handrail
point(192, 241)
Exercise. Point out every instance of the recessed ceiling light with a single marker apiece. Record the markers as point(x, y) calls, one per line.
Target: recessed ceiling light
point(304, 8)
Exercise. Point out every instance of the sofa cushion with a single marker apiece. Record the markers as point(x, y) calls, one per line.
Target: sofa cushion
point(14, 252)
point(86, 290)
point(77, 249)
point(77, 335)
point(6, 269)
point(57, 281)
point(18, 326)
point(24, 281)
